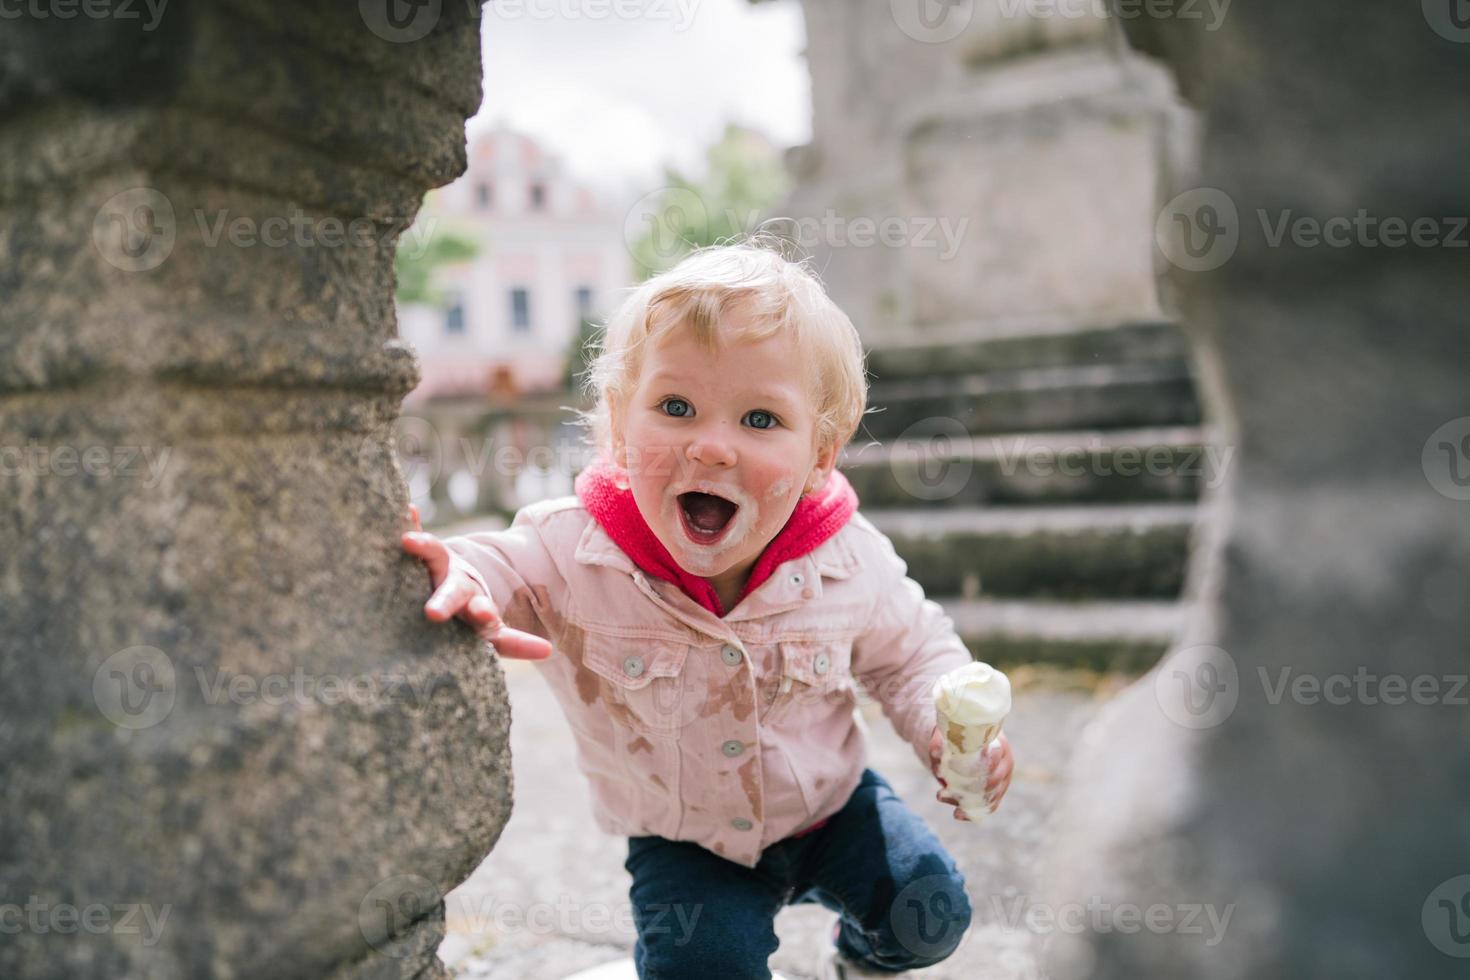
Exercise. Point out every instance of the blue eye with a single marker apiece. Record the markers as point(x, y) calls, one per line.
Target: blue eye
point(760, 413)
point(675, 401)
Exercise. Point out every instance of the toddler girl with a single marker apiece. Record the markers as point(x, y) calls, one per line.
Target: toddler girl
point(711, 596)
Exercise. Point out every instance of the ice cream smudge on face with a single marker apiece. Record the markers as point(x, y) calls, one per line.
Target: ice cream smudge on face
point(707, 559)
point(779, 489)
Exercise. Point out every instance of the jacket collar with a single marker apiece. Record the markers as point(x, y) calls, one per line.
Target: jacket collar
point(797, 578)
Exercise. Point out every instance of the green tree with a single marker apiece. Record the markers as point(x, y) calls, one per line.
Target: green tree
point(418, 257)
point(744, 180)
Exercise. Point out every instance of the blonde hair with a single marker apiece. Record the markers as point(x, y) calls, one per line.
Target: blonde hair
point(777, 296)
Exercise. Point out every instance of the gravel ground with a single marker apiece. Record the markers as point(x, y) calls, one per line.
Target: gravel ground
point(552, 898)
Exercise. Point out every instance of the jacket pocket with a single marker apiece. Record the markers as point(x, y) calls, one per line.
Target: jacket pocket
point(646, 681)
point(815, 674)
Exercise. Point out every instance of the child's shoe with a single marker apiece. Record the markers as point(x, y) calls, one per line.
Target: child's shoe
point(832, 965)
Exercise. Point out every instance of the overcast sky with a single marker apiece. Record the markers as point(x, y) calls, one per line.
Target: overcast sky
point(616, 98)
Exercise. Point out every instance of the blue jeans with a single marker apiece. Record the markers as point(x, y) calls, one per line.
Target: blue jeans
point(901, 897)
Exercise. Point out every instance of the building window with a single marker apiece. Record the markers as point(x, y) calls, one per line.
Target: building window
point(484, 196)
point(584, 302)
point(538, 197)
point(520, 310)
point(454, 315)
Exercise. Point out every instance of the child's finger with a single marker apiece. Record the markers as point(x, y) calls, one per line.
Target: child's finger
point(450, 598)
point(519, 645)
point(413, 513)
point(481, 612)
point(431, 551)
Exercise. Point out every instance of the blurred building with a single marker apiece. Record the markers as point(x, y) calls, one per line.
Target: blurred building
point(981, 194)
point(550, 254)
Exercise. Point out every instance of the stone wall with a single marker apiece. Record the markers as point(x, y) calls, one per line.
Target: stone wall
point(1021, 155)
point(229, 742)
point(1299, 760)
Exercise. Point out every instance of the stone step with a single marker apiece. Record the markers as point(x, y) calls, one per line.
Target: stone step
point(1170, 463)
point(1127, 636)
point(977, 348)
point(1112, 551)
point(1088, 396)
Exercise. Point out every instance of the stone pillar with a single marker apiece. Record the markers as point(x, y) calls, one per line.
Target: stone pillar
point(230, 744)
point(982, 167)
point(1300, 760)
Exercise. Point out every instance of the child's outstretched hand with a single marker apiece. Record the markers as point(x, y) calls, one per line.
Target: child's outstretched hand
point(997, 754)
point(457, 594)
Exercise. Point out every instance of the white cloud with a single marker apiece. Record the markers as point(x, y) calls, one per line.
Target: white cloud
point(617, 98)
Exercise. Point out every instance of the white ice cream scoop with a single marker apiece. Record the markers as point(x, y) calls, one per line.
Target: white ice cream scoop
point(971, 703)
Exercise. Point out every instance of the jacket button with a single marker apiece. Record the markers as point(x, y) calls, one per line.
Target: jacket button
point(733, 747)
point(731, 655)
point(820, 663)
point(633, 666)
point(740, 823)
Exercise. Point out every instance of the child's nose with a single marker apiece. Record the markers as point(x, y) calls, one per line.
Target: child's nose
point(711, 449)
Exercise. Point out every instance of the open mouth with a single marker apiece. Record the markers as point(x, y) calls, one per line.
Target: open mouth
point(705, 516)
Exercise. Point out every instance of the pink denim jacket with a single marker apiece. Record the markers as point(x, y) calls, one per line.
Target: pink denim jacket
point(733, 733)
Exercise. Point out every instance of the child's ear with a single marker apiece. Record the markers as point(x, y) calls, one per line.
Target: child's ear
point(821, 469)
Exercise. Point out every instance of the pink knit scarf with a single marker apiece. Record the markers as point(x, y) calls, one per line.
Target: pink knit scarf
point(816, 518)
